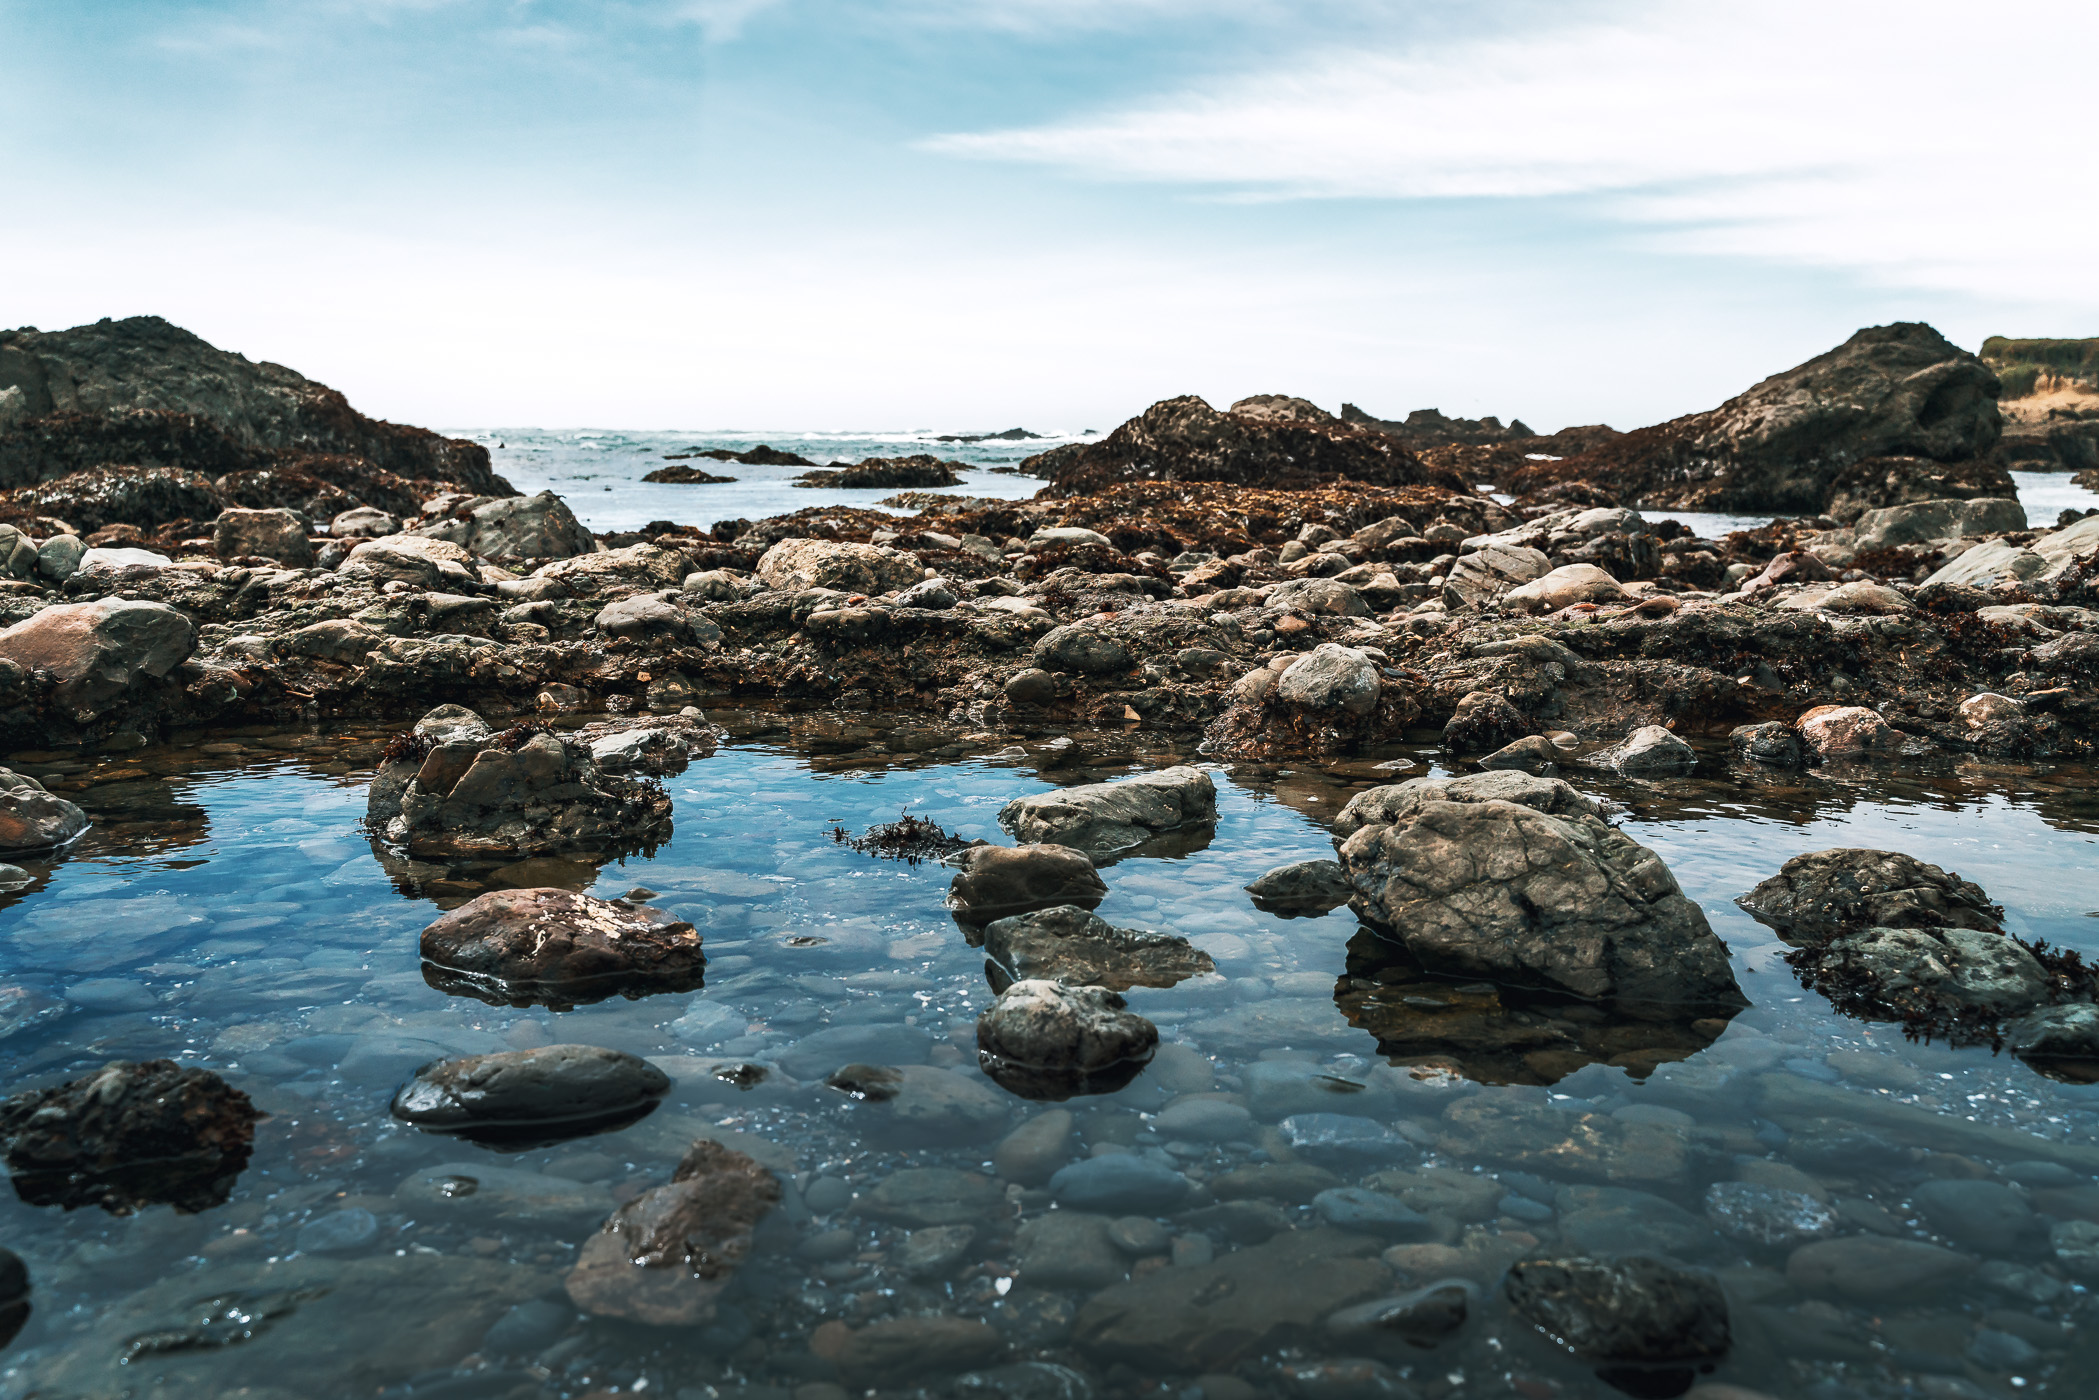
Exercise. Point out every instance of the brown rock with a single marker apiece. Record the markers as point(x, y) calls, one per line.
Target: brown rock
point(98, 651)
point(999, 881)
point(522, 946)
point(129, 1135)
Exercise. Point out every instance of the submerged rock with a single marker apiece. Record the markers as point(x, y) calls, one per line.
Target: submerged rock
point(1504, 891)
point(1634, 1310)
point(1043, 1040)
point(14, 1295)
point(128, 1136)
point(1650, 749)
point(1926, 978)
point(520, 947)
point(1767, 1215)
point(665, 1256)
point(998, 882)
point(523, 1098)
point(1069, 945)
point(1174, 807)
point(32, 819)
point(1424, 1317)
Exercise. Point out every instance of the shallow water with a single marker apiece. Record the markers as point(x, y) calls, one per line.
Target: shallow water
point(227, 911)
point(585, 466)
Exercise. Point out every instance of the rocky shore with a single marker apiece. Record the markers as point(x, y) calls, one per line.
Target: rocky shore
point(1176, 1196)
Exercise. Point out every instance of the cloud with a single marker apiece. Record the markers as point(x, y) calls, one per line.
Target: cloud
point(1909, 143)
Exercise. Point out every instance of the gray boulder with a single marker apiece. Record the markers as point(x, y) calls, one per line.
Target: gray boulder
point(1533, 753)
point(1069, 945)
point(363, 522)
point(1927, 975)
point(1771, 743)
point(516, 527)
point(1044, 1040)
point(1503, 891)
point(270, 534)
point(1331, 678)
point(98, 652)
point(32, 819)
point(1082, 648)
point(18, 554)
point(1490, 571)
point(1316, 597)
point(59, 557)
point(1112, 819)
point(849, 568)
point(654, 616)
point(415, 560)
point(996, 882)
point(1650, 749)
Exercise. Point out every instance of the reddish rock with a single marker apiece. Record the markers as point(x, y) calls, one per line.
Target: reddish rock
point(97, 651)
point(1847, 731)
point(522, 946)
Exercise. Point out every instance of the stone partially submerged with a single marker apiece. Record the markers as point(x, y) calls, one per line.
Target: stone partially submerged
point(1502, 890)
point(1172, 810)
point(665, 1256)
point(128, 1136)
point(518, 1099)
point(554, 946)
point(1044, 1040)
point(1070, 945)
point(997, 882)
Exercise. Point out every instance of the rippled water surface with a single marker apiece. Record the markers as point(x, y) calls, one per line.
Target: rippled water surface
point(227, 911)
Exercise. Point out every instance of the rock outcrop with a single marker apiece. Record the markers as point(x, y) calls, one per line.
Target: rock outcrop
point(997, 882)
point(1251, 444)
point(143, 393)
point(1901, 390)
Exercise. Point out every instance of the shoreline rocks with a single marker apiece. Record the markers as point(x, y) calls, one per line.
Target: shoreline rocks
point(1172, 808)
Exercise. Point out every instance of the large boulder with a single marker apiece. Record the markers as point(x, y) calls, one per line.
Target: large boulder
point(518, 527)
point(849, 568)
point(1255, 443)
point(1331, 677)
point(128, 1136)
point(1070, 945)
point(1113, 819)
point(665, 1256)
point(1491, 571)
point(527, 790)
point(97, 652)
point(1044, 1040)
point(1563, 588)
point(33, 819)
point(270, 534)
point(1398, 802)
point(1503, 891)
point(1901, 390)
point(553, 945)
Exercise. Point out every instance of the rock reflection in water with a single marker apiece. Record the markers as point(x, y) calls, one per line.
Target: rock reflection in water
point(1501, 1035)
point(129, 1136)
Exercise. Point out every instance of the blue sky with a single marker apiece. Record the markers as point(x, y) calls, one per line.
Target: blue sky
point(935, 213)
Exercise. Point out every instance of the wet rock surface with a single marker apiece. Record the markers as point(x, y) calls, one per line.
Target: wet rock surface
point(1631, 1310)
point(34, 819)
point(998, 882)
point(1046, 1040)
point(531, 1096)
point(1175, 807)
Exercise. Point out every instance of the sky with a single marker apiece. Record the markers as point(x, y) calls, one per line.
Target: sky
point(972, 214)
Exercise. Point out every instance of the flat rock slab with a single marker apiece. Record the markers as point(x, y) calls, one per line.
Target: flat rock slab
point(520, 947)
point(1070, 945)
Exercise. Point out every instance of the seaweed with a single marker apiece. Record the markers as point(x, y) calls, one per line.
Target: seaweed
point(405, 747)
point(909, 839)
point(519, 735)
